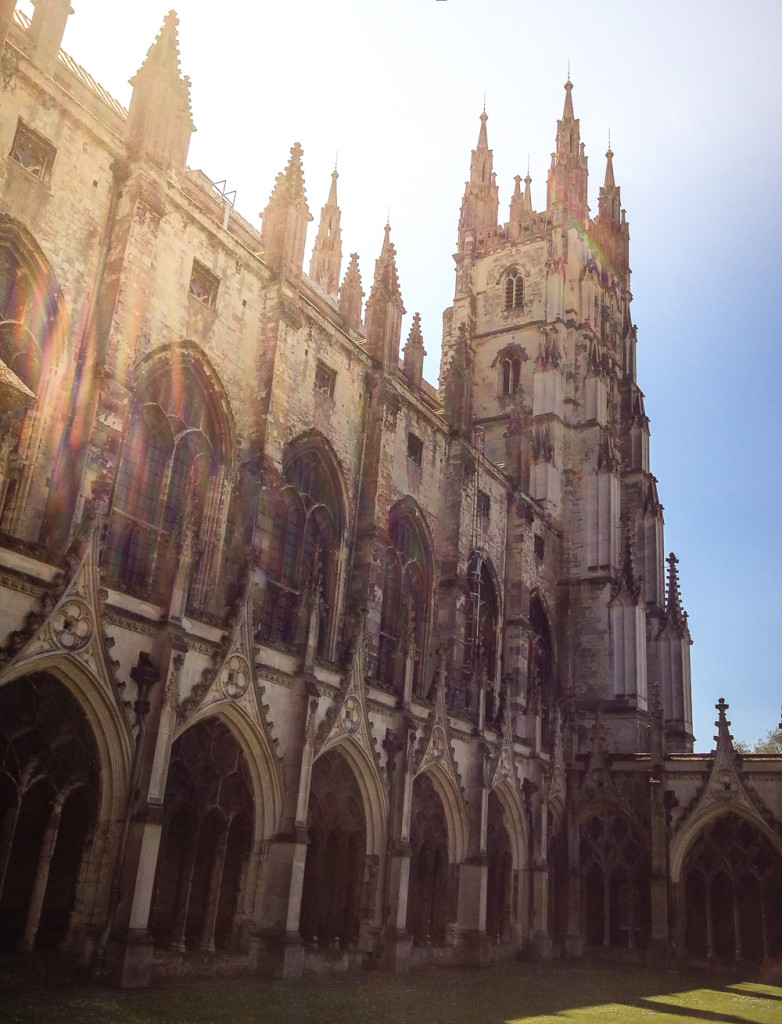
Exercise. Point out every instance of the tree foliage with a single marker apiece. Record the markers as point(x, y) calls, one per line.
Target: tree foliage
point(771, 743)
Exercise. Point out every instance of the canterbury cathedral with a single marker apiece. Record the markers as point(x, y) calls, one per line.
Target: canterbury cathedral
point(305, 663)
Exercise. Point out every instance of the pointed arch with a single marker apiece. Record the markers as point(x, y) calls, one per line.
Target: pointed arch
point(172, 476)
point(57, 794)
point(482, 630)
point(339, 892)
point(405, 617)
point(373, 792)
point(210, 816)
point(730, 891)
point(34, 344)
point(683, 841)
point(303, 547)
point(453, 806)
point(265, 771)
point(508, 795)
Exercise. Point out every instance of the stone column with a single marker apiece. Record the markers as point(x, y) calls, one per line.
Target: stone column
point(207, 943)
point(398, 943)
point(27, 942)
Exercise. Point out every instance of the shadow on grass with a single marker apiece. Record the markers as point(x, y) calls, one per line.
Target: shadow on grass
point(574, 992)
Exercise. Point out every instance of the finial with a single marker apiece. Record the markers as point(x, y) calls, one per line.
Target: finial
point(484, 101)
point(609, 138)
point(336, 159)
point(568, 69)
point(528, 165)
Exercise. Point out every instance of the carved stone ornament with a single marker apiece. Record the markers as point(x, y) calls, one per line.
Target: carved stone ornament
point(437, 744)
point(350, 714)
point(235, 677)
point(72, 625)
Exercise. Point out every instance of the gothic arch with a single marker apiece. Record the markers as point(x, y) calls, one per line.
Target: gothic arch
point(453, 806)
point(373, 793)
point(304, 545)
point(730, 891)
point(483, 633)
point(172, 477)
point(52, 785)
point(175, 358)
point(691, 830)
point(406, 611)
point(107, 721)
point(34, 336)
point(264, 765)
point(339, 888)
point(210, 816)
point(507, 793)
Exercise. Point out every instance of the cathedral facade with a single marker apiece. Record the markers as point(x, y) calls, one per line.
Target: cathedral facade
point(304, 663)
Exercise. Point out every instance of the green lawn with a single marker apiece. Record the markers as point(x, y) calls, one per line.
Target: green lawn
point(582, 993)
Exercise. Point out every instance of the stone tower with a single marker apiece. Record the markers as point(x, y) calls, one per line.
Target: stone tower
point(545, 300)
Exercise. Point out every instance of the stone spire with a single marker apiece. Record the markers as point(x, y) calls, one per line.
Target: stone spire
point(414, 354)
point(285, 220)
point(481, 195)
point(520, 205)
point(612, 230)
point(385, 308)
point(567, 180)
point(159, 120)
point(675, 614)
point(47, 28)
point(351, 293)
point(327, 252)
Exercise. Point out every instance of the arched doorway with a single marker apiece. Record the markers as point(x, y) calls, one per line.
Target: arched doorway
point(332, 898)
point(208, 818)
point(732, 883)
point(430, 898)
point(499, 884)
point(615, 882)
point(49, 794)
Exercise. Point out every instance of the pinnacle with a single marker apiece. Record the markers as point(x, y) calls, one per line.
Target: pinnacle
point(164, 52)
point(609, 181)
point(567, 113)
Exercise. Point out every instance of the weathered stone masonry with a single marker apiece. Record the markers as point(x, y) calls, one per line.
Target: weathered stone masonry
point(305, 663)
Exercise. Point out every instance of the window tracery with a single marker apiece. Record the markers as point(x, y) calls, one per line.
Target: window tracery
point(306, 525)
point(168, 480)
point(615, 874)
point(403, 617)
point(514, 289)
point(733, 892)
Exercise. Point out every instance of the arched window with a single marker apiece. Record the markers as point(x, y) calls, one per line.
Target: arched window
point(306, 526)
point(514, 289)
point(168, 479)
point(540, 668)
point(511, 374)
point(403, 617)
point(480, 634)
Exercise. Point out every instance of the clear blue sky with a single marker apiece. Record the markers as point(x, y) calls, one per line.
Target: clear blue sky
point(691, 93)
